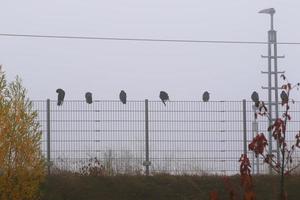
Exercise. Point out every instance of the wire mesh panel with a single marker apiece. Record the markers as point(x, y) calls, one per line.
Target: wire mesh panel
point(105, 131)
point(195, 137)
point(185, 137)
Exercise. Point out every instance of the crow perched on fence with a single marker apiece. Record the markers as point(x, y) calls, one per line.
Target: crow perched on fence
point(164, 97)
point(88, 97)
point(60, 96)
point(123, 96)
point(255, 98)
point(205, 96)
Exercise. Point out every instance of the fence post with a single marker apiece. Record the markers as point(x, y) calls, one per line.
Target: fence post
point(245, 126)
point(254, 132)
point(147, 163)
point(48, 137)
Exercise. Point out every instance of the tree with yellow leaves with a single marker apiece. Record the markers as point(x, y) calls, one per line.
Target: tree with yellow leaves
point(22, 167)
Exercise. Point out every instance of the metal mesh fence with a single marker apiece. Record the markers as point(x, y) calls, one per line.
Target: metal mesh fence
point(185, 137)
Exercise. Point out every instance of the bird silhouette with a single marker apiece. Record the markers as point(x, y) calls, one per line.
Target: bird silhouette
point(205, 96)
point(88, 97)
point(164, 97)
point(60, 96)
point(123, 96)
point(284, 97)
point(255, 98)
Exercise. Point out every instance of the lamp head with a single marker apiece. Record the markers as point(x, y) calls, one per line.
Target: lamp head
point(270, 11)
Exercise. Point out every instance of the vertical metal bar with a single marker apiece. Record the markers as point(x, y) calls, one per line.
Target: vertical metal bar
point(48, 137)
point(255, 161)
point(270, 93)
point(254, 123)
point(272, 21)
point(245, 126)
point(276, 86)
point(147, 162)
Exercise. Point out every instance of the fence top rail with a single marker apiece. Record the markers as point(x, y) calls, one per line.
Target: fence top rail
point(153, 101)
point(149, 100)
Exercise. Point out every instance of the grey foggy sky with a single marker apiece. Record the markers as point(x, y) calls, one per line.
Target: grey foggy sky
point(142, 69)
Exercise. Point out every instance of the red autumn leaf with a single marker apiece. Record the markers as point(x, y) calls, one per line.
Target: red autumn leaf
point(284, 87)
point(245, 164)
point(276, 134)
point(268, 159)
point(270, 127)
point(258, 144)
point(251, 146)
point(278, 123)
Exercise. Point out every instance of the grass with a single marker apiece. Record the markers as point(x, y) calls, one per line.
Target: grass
point(159, 187)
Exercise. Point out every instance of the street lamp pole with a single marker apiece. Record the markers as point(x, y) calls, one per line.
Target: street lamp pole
point(272, 58)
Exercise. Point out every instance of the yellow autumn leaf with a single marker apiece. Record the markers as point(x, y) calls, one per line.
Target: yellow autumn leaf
point(22, 167)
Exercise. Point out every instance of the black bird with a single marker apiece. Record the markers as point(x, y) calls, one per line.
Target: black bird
point(60, 97)
point(255, 98)
point(284, 97)
point(164, 97)
point(123, 96)
point(88, 98)
point(205, 96)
